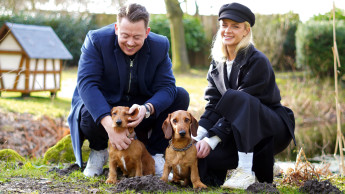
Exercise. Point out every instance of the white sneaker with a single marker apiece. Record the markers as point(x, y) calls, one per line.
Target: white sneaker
point(240, 179)
point(96, 161)
point(159, 164)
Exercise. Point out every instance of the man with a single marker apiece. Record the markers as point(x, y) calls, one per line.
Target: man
point(123, 64)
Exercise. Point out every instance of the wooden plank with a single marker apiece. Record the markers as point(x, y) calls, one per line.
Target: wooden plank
point(25, 91)
point(34, 78)
point(19, 70)
point(60, 73)
point(45, 74)
point(31, 71)
point(11, 52)
point(54, 73)
point(2, 86)
point(27, 75)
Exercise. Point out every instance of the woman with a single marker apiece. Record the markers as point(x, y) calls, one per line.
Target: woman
point(244, 125)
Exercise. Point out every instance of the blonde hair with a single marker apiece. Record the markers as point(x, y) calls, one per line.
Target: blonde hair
point(218, 50)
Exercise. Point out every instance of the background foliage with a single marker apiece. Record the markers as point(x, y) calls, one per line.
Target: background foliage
point(314, 41)
point(274, 35)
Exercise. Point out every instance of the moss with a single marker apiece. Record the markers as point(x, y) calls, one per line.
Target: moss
point(11, 155)
point(62, 151)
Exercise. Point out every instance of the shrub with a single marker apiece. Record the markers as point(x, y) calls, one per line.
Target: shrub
point(274, 35)
point(314, 42)
point(194, 31)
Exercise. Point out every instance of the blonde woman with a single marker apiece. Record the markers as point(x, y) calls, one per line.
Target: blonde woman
point(244, 124)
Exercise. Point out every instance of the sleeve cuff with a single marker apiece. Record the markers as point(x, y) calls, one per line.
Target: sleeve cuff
point(212, 141)
point(201, 133)
point(98, 121)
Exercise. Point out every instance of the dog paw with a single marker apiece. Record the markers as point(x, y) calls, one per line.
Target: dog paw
point(164, 179)
point(111, 181)
point(199, 185)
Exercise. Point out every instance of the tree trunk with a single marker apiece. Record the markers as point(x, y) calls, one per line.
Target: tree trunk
point(178, 44)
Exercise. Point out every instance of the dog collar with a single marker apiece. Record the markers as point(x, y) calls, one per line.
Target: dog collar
point(181, 149)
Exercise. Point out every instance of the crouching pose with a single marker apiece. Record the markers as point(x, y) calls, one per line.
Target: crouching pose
point(244, 124)
point(124, 64)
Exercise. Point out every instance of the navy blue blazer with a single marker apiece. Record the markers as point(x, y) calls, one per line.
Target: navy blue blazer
point(102, 77)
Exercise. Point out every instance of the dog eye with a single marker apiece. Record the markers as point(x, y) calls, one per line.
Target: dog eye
point(174, 121)
point(114, 113)
point(186, 120)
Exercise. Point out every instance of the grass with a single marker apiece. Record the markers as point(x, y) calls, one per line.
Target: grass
point(34, 171)
point(312, 101)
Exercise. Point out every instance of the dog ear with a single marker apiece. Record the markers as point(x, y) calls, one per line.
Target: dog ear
point(167, 128)
point(194, 125)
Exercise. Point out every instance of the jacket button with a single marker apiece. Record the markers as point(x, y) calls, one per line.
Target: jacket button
point(220, 124)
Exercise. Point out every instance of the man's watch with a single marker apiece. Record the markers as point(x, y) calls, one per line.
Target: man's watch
point(148, 113)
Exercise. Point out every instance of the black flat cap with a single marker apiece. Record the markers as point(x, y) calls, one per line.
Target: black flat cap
point(237, 12)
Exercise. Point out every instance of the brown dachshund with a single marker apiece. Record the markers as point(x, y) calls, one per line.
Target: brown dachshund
point(135, 160)
point(180, 155)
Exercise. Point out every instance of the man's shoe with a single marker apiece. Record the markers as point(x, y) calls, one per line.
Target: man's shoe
point(159, 164)
point(240, 179)
point(96, 161)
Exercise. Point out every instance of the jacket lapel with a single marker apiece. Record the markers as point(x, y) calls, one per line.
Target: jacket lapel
point(218, 77)
point(144, 54)
point(120, 63)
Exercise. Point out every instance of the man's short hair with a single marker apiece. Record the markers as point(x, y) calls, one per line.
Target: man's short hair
point(134, 12)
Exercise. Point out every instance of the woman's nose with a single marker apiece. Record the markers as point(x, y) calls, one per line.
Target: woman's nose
point(228, 29)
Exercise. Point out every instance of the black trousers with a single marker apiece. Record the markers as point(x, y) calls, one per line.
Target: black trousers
point(254, 128)
point(156, 143)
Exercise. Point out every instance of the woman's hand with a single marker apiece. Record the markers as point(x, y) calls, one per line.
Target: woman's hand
point(203, 149)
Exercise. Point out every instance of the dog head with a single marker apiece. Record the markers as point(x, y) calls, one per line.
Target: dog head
point(120, 115)
point(182, 123)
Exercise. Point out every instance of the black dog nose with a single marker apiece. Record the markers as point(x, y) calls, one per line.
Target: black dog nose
point(182, 133)
point(119, 122)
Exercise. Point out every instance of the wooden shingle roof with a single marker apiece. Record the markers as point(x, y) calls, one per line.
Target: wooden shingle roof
point(39, 41)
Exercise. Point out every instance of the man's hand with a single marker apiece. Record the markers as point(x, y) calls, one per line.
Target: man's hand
point(119, 140)
point(136, 120)
point(203, 149)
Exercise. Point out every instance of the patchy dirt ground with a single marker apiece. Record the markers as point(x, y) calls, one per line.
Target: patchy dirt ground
point(28, 135)
point(314, 186)
point(262, 188)
point(31, 136)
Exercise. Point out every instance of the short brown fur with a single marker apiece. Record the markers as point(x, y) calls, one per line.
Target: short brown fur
point(183, 163)
point(135, 160)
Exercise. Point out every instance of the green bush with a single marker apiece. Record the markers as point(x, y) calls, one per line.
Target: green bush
point(314, 42)
point(274, 35)
point(194, 31)
point(339, 15)
point(71, 30)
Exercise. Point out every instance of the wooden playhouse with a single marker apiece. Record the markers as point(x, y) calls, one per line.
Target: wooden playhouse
point(31, 59)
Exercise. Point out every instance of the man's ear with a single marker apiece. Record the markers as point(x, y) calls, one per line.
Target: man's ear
point(147, 31)
point(116, 28)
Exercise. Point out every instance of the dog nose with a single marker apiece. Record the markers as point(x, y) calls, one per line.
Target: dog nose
point(182, 133)
point(119, 122)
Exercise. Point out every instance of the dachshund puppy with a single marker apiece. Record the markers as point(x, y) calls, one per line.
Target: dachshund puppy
point(135, 160)
point(180, 155)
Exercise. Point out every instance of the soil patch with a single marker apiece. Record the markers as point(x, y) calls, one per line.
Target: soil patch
point(148, 183)
point(30, 136)
point(314, 186)
point(262, 188)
